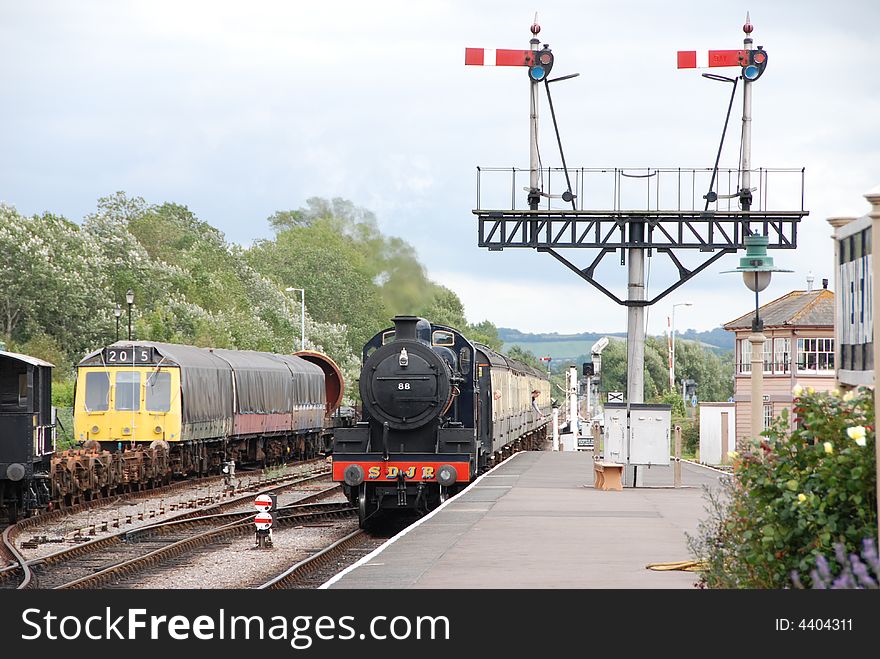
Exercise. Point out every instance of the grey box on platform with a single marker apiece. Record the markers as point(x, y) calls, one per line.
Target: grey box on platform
point(615, 432)
point(643, 439)
point(649, 434)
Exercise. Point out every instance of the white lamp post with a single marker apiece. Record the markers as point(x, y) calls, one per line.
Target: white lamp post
point(302, 317)
point(757, 268)
point(672, 365)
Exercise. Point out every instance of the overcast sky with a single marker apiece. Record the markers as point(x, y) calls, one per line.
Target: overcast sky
point(239, 109)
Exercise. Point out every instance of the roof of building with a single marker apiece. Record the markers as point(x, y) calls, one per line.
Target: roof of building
point(27, 359)
point(796, 309)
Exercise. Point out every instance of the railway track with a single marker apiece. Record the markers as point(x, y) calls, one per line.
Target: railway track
point(145, 548)
point(246, 480)
point(72, 565)
point(311, 572)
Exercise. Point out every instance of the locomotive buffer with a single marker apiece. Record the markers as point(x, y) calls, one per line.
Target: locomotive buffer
point(710, 232)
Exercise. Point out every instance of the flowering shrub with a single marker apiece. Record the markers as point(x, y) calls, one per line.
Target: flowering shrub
point(852, 572)
point(795, 496)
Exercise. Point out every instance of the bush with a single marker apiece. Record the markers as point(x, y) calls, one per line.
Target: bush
point(795, 496)
point(851, 572)
point(690, 437)
point(62, 394)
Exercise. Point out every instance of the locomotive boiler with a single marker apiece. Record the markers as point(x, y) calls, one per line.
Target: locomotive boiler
point(438, 409)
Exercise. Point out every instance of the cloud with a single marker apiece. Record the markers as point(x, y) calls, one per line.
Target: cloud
point(240, 110)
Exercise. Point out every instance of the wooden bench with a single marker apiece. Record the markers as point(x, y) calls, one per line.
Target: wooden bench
point(607, 475)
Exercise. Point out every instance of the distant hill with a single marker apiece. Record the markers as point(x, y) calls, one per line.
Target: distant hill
point(569, 346)
point(718, 338)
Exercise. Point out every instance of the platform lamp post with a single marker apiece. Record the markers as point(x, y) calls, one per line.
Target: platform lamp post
point(302, 317)
point(129, 298)
point(756, 268)
point(117, 312)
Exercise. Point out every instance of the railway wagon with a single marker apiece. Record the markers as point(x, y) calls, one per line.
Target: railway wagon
point(27, 433)
point(178, 409)
point(438, 410)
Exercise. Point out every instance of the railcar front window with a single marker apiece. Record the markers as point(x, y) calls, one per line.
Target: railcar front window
point(159, 392)
point(97, 392)
point(128, 387)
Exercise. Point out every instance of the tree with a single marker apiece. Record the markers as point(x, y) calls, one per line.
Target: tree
point(486, 333)
point(331, 270)
point(445, 308)
point(54, 281)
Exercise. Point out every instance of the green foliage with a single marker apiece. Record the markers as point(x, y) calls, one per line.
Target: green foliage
point(62, 282)
point(62, 393)
point(446, 308)
point(485, 333)
point(45, 347)
point(674, 399)
point(690, 437)
point(795, 495)
point(712, 373)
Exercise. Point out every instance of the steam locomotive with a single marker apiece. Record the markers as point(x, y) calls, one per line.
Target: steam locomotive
point(438, 410)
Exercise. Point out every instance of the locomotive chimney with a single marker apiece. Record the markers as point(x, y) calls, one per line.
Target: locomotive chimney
point(405, 327)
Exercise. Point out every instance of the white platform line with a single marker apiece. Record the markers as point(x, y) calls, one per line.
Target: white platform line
point(700, 464)
point(378, 550)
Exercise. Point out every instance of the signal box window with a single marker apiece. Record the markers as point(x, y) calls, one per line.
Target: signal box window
point(97, 392)
point(128, 389)
point(159, 392)
point(443, 338)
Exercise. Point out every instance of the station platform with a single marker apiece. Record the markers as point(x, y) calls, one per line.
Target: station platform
point(536, 521)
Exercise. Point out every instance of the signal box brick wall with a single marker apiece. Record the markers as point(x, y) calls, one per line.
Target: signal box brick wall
point(800, 329)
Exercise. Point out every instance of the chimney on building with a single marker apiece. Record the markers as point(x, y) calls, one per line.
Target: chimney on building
point(825, 284)
point(810, 280)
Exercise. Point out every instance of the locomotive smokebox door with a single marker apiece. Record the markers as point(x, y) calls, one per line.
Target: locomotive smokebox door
point(408, 384)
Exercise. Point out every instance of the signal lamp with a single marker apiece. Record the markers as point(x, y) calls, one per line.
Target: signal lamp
point(543, 63)
point(755, 64)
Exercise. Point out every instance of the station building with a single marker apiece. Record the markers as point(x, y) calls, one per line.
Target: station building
point(854, 263)
point(799, 350)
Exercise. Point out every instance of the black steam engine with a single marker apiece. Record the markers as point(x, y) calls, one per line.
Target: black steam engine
point(438, 410)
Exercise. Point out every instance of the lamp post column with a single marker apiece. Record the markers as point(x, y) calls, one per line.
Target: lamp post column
point(756, 339)
point(302, 320)
point(129, 299)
